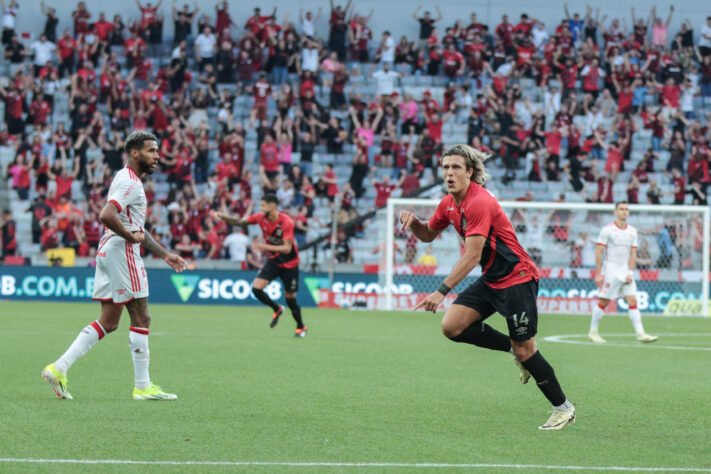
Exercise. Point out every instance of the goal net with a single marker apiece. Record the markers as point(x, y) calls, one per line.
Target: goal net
point(672, 272)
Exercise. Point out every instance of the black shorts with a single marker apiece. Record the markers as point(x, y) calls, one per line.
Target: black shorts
point(517, 304)
point(289, 276)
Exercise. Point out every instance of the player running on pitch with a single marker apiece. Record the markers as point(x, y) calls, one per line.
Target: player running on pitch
point(509, 284)
point(283, 262)
point(615, 277)
point(120, 277)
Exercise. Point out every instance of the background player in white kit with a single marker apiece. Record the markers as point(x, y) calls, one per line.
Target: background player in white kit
point(618, 240)
point(120, 275)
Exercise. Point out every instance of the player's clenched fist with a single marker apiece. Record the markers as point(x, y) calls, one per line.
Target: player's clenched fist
point(406, 219)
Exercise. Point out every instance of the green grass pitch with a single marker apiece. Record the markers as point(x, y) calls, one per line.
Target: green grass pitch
point(362, 387)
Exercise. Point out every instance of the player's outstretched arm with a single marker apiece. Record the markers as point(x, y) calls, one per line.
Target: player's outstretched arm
point(422, 230)
point(175, 261)
point(473, 246)
point(231, 220)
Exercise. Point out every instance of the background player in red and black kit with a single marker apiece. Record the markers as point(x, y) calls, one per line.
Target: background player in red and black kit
point(509, 284)
point(283, 261)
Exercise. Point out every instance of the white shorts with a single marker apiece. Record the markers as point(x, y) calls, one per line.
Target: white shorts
point(120, 275)
point(614, 286)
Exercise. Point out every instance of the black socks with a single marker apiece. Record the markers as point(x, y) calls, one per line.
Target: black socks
point(295, 311)
point(483, 335)
point(545, 378)
point(264, 298)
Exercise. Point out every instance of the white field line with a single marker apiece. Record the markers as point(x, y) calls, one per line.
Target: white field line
point(351, 464)
point(568, 339)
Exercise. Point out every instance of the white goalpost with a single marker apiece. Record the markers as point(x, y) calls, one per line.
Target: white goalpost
point(672, 273)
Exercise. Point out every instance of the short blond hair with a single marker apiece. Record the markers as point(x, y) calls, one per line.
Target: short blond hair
point(473, 159)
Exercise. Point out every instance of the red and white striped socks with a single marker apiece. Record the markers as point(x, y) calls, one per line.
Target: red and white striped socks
point(138, 342)
point(81, 345)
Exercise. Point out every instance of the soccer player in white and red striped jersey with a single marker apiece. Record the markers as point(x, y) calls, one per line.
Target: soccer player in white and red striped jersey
point(120, 278)
point(615, 277)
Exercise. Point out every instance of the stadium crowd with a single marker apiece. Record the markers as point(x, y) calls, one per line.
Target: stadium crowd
point(72, 96)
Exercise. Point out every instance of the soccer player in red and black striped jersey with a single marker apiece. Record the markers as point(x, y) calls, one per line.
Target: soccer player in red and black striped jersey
point(508, 285)
point(283, 261)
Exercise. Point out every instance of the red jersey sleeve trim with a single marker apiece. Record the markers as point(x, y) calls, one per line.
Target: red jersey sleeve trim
point(115, 203)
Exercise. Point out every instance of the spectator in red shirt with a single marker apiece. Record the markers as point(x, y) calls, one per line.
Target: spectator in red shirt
point(604, 189)
point(64, 180)
point(14, 102)
point(261, 91)
point(8, 232)
point(670, 94)
point(93, 229)
point(103, 28)
point(409, 181)
point(568, 74)
point(134, 48)
point(383, 190)
point(81, 19)
point(524, 56)
point(67, 47)
point(679, 186)
point(591, 74)
point(525, 26)
point(257, 23)
point(658, 126)
point(435, 122)
point(39, 110)
point(327, 185)
point(223, 20)
point(269, 163)
point(453, 63)
point(148, 13)
point(504, 30)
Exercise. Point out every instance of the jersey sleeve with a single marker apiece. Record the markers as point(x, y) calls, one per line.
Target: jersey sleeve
point(634, 238)
point(124, 192)
point(287, 229)
point(255, 218)
point(479, 217)
point(439, 221)
point(602, 238)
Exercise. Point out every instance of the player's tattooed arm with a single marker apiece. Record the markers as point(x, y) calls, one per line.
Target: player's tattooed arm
point(232, 220)
point(150, 244)
point(175, 261)
point(109, 217)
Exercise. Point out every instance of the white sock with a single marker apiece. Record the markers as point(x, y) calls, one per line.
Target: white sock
point(565, 406)
point(636, 319)
point(81, 345)
point(597, 315)
point(138, 342)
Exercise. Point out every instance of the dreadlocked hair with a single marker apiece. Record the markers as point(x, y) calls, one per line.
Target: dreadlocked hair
point(474, 159)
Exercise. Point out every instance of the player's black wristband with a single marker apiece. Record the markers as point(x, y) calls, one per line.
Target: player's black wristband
point(444, 289)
